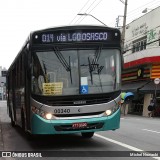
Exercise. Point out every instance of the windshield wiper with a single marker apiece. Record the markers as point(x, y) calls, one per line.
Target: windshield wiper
point(44, 66)
point(63, 61)
point(94, 64)
point(100, 69)
point(95, 60)
point(70, 71)
point(45, 71)
point(90, 70)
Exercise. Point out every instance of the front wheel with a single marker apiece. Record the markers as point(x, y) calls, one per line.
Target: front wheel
point(87, 134)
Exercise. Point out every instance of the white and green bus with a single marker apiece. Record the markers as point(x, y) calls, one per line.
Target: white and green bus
point(67, 80)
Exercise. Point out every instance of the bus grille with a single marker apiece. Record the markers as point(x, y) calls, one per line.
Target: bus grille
point(79, 115)
point(69, 127)
point(78, 101)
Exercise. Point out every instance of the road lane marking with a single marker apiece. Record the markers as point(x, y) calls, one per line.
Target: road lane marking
point(123, 145)
point(126, 118)
point(151, 130)
point(119, 143)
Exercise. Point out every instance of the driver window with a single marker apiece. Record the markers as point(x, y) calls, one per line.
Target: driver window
point(40, 82)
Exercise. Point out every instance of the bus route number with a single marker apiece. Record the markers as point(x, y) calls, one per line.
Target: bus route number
point(61, 111)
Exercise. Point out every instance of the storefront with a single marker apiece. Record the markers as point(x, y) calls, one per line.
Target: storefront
point(144, 89)
point(142, 62)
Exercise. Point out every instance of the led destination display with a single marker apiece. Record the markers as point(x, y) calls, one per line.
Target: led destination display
point(75, 36)
point(72, 37)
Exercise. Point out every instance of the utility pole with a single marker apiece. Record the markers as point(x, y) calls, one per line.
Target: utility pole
point(124, 23)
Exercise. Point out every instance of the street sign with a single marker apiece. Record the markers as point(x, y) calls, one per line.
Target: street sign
point(156, 81)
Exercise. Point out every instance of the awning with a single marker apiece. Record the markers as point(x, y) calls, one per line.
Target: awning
point(141, 86)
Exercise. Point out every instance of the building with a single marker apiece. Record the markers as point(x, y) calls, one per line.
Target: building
point(142, 62)
point(3, 73)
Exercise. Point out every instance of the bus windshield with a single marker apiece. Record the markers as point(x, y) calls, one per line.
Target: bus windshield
point(75, 71)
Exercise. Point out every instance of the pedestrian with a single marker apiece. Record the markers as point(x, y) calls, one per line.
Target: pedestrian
point(151, 108)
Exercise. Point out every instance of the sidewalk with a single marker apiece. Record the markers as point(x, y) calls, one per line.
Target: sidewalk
point(3, 101)
point(2, 104)
point(137, 116)
point(1, 137)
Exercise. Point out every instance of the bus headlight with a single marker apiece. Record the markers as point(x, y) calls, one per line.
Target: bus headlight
point(108, 112)
point(48, 116)
point(113, 109)
point(41, 113)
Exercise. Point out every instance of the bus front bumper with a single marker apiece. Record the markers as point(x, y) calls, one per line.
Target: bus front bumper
point(43, 126)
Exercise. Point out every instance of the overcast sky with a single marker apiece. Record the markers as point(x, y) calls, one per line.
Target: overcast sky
point(19, 17)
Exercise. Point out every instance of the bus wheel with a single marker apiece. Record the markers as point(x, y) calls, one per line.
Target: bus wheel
point(29, 136)
point(87, 134)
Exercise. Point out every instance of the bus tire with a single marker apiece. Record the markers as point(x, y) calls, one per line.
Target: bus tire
point(29, 136)
point(87, 134)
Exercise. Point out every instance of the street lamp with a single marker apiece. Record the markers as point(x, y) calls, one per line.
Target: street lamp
point(146, 10)
point(85, 14)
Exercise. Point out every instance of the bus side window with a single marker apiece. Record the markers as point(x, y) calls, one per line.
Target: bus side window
point(40, 82)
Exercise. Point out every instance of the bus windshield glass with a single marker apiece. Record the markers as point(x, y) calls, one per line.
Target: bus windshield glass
point(75, 71)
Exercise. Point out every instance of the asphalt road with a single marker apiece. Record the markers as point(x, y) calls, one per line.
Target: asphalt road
point(135, 134)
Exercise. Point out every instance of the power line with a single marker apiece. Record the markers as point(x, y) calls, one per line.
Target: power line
point(92, 9)
point(90, 5)
point(79, 11)
point(134, 14)
point(85, 12)
point(141, 6)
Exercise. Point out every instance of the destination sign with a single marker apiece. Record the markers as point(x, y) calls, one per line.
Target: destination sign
point(75, 36)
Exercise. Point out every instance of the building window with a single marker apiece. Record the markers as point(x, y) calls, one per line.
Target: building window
point(133, 48)
point(139, 45)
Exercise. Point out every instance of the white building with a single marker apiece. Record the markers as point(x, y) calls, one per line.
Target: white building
point(142, 61)
point(3, 72)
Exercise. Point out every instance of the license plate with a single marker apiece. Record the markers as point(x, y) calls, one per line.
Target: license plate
point(79, 125)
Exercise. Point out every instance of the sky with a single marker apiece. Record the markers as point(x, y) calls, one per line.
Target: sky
point(20, 17)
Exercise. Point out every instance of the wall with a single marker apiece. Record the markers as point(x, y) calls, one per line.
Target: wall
point(147, 99)
point(146, 26)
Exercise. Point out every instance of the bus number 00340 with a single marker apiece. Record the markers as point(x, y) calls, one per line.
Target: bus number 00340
point(61, 110)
